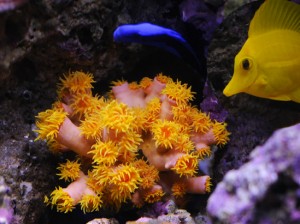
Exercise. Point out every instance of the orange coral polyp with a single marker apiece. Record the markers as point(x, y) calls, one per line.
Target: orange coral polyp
point(201, 122)
point(77, 82)
point(48, 123)
point(118, 82)
point(180, 93)
point(124, 180)
point(208, 185)
point(162, 78)
point(182, 114)
point(83, 104)
point(130, 141)
point(62, 200)
point(186, 165)
point(165, 133)
point(153, 196)
point(104, 153)
point(145, 82)
point(179, 189)
point(90, 203)
point(92, 126)
point(149, 174)
point(152, 111)
point(101, 174)
point(118, 116)
point(203, 152)
point(220, 133)
point(93, 184)
point(184, 144)
point(69, 171)
point(133, 85)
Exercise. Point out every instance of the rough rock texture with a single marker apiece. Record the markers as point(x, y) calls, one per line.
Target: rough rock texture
point(265, 189)
point(6, 211)
point(251, 120)
point(43, 39)
point(103, 221)
point(179, 216)
point(40, 41)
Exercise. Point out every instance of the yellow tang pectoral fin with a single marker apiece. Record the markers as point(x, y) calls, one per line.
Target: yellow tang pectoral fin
point(235, 86)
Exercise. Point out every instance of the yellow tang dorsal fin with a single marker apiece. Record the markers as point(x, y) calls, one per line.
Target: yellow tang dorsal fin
point(274, 15)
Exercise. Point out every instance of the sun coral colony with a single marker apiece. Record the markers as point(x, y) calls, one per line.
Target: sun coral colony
point(153, 118)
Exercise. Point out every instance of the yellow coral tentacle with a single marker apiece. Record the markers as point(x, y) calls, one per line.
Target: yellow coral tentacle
point(178, 92)
point(118, 116)
point(149, 174)
point(186, 165)
point(145, 82)
point(184, 144)
point(92, 126)
point(124, 180)
point(163, 78)
point(179, 189)
point(76, 83)
point(201, 121)
point(165, 133)
point(104, 153)
point(153, 196)
point(203, 152)
point(208, 185)
point(130, 141)
point(69, 171)
point(220, 133)
point(48, 123)
point(62, 200)
point(90, 203)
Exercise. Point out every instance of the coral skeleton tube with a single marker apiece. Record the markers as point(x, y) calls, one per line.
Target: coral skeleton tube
point(77, 188)
point(166, 109)
point(77, 192)
point(203, 140)
point(149, 195)
point(198, 185)
point(131, 97)
point(161, 161)
point(154, 90)
point(70, 136)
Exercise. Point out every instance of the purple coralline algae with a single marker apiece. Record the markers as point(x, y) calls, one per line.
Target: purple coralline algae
point(6, 211)
point(265, 189)
point(6, 5)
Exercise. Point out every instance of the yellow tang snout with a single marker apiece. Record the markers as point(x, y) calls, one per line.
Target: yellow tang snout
point(244, 75)
point(233, 87)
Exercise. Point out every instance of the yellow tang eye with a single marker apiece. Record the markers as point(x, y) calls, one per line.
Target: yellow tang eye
point(246, 63)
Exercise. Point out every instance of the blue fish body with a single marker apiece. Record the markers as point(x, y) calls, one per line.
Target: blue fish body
point(154, 35)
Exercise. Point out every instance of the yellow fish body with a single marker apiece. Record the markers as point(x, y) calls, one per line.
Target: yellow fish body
point(268, 64)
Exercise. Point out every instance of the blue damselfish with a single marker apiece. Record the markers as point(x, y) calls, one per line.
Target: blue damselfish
point(154, 35)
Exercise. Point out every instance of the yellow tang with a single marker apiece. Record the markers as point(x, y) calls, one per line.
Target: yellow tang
point(268, 64)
